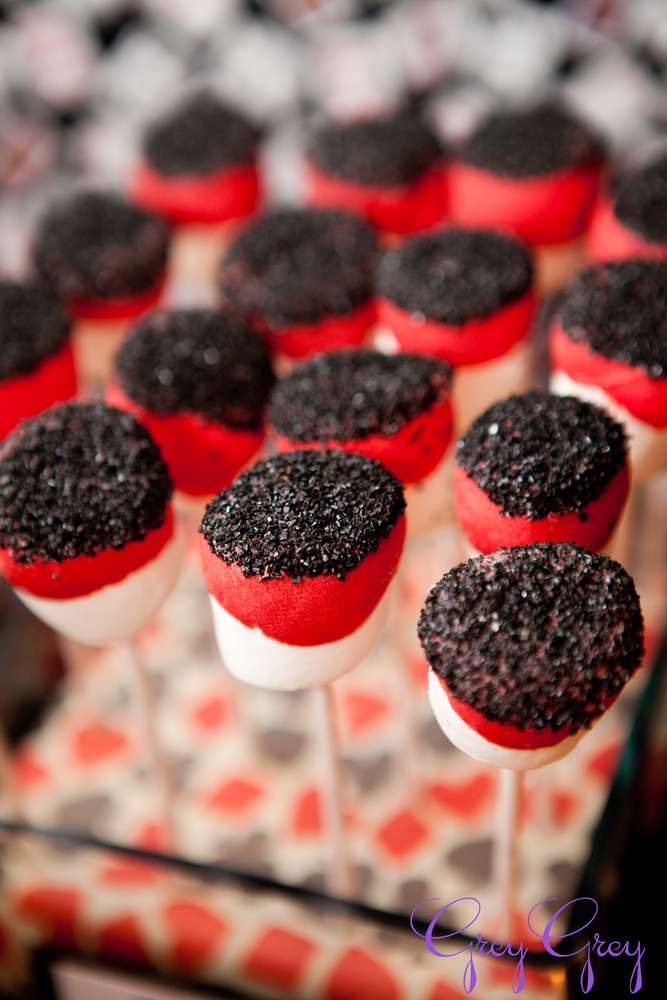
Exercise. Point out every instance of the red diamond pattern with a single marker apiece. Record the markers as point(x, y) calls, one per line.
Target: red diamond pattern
point(279, 958)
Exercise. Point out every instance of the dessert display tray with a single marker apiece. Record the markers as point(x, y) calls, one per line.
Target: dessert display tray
point(241, 900)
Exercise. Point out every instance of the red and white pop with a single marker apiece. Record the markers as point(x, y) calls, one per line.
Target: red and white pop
point(396, 409)
point(106, 261)
point(199, 381)
point(466, 296)
point(199, 171)
point(389, 170)
point(535, 172)
point(541, 468)
point(304, 278)
point(86, 528)
point(609, 345)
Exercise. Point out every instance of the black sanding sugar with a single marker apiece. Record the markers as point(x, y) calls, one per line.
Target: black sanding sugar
point(640, 200)
point(300, 265)
point(539, 454)
point(200, 136)
point(197, 361)
point(78, 479)
point(304, 514)
point(96, 245)
point(620, 310)
point(347, 395)
point(384, 152)
point(456, 274)
point(540, 636)
point(531, 142)
point(33, 327)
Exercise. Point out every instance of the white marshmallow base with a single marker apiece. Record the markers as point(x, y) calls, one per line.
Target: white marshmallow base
point(118, 611)
point(467, 739)
point(95, 343)
point(196, 251)
point(254, 657)
point(430, 502)
point(648, 445)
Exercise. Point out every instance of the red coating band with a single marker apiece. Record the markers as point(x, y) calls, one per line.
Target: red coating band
point(505, 735)
point(400, 210)
point(329, 334)
point(472, 343)
point(315, 611)
point(203, 457)
point(488, 529)
point(509, 736)
point(541, 210)
point(410, 454)
point(53, 381)
point(83, 574)
point(228, 194)
point(630, 386)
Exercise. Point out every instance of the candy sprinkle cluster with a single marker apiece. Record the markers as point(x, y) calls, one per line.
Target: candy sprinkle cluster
point(304, 514)
point(541, 636)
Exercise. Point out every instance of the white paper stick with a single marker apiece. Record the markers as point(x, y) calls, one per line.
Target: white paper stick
point(341, 882)
point(8, 786)
point(148, 733)
point(506, 849)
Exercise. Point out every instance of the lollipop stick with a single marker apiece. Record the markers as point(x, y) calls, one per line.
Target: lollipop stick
point(149, 737)
point(506, 848)
point(340, 874)
point(7, 779)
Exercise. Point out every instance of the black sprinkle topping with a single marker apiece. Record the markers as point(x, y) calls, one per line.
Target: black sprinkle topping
point(540, 636)
point(640, 200)
point(348, 395)
point(531, 143)
point(33, 326)
point(96, 245)
point(197, 361)
point(298, 265)
point(539, 454)
point(304, 514)
point(78, 479)
point(620, 310)
point(386, 152)
point(200, 136)
point(456, 274)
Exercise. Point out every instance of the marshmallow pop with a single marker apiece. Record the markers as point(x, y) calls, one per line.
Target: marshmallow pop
point(389, 170)
point(198, 170)
point(86, 526)
point(298, 555)
point(304, 278)
point(87, 533)
point(465, 296)
point(199, 381)
point(609, 345)
point(535, 172)
point(36, 363)
point(106, 261)
point(630, 219)
point(395, 409)
point(528, 647)
point(541, 468)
